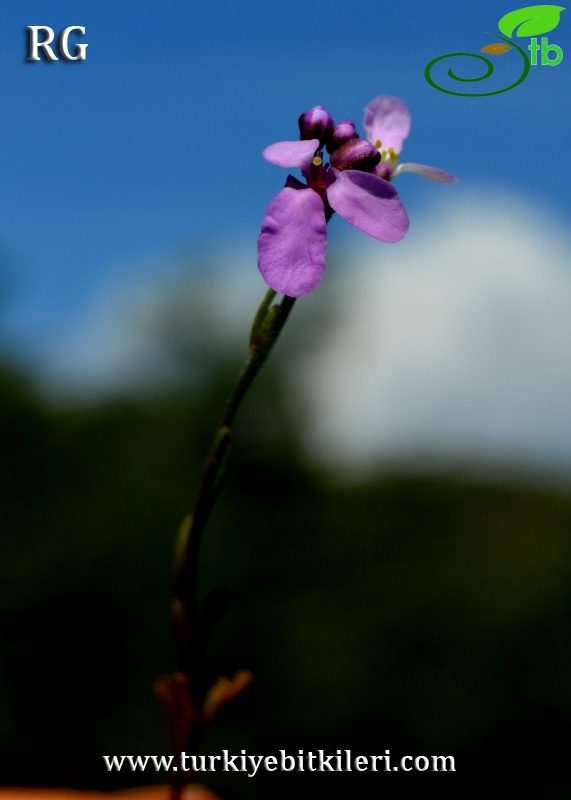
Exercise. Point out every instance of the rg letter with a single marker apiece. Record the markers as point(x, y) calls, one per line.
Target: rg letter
point(36, 44)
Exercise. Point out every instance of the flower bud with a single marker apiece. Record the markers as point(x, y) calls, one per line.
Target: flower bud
point(355, 154)
point(342, 132)
point(384, 170)
point(317, 123)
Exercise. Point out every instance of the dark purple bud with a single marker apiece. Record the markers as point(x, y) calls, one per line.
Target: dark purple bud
point(384, 170)
point(317, 123)
point(356, 154)
point(342, 132)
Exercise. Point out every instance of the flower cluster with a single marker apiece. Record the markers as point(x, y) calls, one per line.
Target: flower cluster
point(356, 183)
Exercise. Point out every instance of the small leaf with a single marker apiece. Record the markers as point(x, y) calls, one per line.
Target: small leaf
point(223, 691)
point(495, 49)
point(531, 20)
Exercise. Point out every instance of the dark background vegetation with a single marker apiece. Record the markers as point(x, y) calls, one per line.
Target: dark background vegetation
point(424, 615)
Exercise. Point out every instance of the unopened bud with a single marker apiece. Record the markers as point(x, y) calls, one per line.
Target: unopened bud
point(384, 170)
point(317, 123)
point(342, 132)
point(356, 154)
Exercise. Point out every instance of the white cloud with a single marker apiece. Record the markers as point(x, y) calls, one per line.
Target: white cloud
point(452, 346)
point(138, 335)
point(455, 344)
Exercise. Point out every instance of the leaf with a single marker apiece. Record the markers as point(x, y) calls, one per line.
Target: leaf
point(496, 49)
point(223, 691)
point(530, 21)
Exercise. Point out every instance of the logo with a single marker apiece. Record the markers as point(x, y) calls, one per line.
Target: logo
point(35, 44)
point(531, 21)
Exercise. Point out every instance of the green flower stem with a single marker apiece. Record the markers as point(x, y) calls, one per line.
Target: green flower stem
point(188, 620)
point(264, 336)
point(261, 314)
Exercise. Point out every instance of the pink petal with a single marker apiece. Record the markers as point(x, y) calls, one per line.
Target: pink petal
point(387, 120)
point(292, 244)
point(432, 173)
point(369, 203)
point(291, 154)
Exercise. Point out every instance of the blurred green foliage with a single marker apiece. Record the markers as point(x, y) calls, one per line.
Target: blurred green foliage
point(424, 615)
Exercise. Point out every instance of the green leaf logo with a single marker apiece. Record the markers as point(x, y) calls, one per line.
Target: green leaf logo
point(530, 21)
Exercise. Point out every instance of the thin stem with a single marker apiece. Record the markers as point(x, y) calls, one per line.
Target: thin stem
point(266, 328)
point(263, 339)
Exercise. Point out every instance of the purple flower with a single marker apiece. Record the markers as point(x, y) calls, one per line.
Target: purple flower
point(387, 124)
point(355, 184)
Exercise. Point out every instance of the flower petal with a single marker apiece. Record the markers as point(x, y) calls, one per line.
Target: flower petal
point(291, 154)
point(292, 244)
point(432, 173)
point(387, 120)
point(370, 204)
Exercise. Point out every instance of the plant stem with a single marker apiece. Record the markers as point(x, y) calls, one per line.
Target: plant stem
point(189, 624)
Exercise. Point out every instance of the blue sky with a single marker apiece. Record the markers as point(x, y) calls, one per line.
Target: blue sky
point(148, 153)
